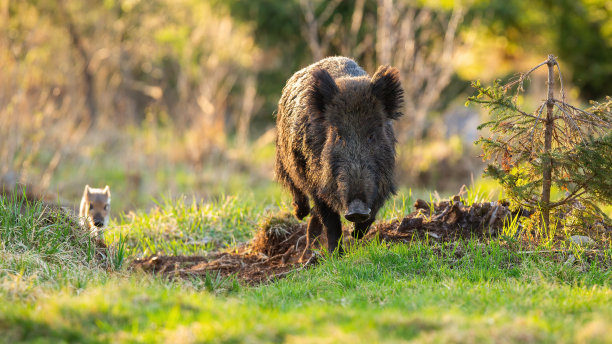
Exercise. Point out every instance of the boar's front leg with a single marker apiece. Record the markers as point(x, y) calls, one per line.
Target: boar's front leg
point(333, 225)
point(361, 228)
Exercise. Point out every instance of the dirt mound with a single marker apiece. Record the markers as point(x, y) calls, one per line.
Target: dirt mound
point(274, 251)
point(280, 235)
point(278, 245)
point(446, 220)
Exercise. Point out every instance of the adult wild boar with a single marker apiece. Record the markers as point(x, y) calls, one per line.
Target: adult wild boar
point(335, 144)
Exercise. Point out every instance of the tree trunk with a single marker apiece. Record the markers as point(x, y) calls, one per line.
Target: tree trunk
point(88, 78)
point(546, 157)
point(384, 42)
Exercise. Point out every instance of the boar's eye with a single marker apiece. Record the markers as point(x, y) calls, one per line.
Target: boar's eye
point(372, 138)
point(90, 206)
point(106, 207)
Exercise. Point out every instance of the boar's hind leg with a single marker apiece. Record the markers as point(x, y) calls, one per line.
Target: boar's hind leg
point(331, 221)
point(313, 230)
point(315, 227)
point(301, 206)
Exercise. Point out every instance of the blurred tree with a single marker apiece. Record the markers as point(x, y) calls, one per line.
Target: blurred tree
point(119, 63)
point(276, 27)
point(584, 38)
point(136, 54)
point(40, 112)
point(580, 31)
point(417, 37)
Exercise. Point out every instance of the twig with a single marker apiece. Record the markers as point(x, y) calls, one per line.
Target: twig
point(309, 262)
point(574, 195)
point(290, 237)
point(601, 120)
point(532, 69)
point(559, 251)
point(297, 242)
point(560, 81)
point(536, 125)
point(569, 116)
point(523, 76)
point(528, 115)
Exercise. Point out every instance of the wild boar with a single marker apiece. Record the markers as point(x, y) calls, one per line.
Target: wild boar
point(335, 144)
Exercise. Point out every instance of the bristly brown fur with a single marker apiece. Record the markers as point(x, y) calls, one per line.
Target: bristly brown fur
point(335, 141)
point(321, 92)
point(94, 211)
point(387, 87)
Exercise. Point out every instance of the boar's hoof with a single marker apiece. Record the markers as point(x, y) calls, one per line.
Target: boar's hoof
point(301, 211)
point(357, 211)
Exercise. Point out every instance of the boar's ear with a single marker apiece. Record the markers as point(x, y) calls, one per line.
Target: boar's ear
point(107, 191)
point(86, 191)
point(387, 88)
point(322, 91)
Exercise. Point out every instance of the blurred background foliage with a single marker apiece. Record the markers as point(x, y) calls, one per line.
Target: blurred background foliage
point(162, 96)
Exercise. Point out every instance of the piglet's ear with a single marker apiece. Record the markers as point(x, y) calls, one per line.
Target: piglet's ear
point(86, 191)
point(107, 190)
point(387, 88)
point(322, 91)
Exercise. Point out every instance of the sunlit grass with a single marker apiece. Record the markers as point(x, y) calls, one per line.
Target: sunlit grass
point(398, 207)
point(189, 226)
point(42, 248)
point(459, 292)
point(481, 291)
point(186, 225)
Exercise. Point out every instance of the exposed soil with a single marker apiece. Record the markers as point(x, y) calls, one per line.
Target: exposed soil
point(279, 244)
point(446, 220)
point(270, 255)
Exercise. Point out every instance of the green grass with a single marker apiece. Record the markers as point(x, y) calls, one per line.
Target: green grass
point(42, 248)
point(188, 226)
point(376, 293)
point(51, 291)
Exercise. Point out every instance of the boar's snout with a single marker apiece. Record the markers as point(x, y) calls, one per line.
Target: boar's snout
point(98, 221)
point(357, 211)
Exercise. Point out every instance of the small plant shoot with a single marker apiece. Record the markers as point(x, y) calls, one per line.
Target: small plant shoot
point(554, 145)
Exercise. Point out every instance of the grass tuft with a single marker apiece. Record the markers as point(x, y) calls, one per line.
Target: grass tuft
point(43, 247)
point(184, 226)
